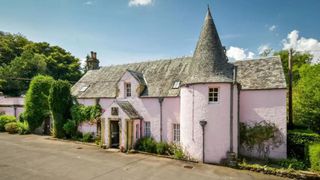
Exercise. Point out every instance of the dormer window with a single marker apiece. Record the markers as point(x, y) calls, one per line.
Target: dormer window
point(128, 89)
point(176, 85)
point(213, 95)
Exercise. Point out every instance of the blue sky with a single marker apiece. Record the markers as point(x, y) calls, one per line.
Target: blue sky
point(121, 31)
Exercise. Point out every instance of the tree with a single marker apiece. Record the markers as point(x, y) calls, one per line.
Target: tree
point(306, 99)
point(299, 59)
point(25, 66)
point(11, 46)
point(36, 101)
point(60, 102)
point(21, 60)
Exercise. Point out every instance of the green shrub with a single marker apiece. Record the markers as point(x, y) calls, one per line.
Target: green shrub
point(177, 151)
point(162, 148)
point(36, 101)
point(80, 113)
point(23, 128)
point(291, 164)
point(298, 141)
point(60, 102)
point(314, 156)
point(87, 137)
point(147, 144)
point(70, 128)
point(4, 119)
point(11, 127)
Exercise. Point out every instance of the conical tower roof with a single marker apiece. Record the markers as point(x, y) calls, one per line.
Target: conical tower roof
point(210, 62)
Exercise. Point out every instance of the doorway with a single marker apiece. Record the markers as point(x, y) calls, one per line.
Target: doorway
point(114, 133)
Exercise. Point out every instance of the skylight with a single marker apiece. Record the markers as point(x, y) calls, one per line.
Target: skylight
point(176, 85)
point(84, 88)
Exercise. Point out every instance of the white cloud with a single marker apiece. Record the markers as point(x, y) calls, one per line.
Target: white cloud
point(272, 28)
point(88, 3)
point(263, 48)
point(302, 44)
point(236, 53)
point(140, 2)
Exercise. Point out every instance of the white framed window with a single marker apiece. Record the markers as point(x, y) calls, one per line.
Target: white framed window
point(147, 129)
point(137, 131)
point(128, 89)
point(213, 95)
point(176, 132)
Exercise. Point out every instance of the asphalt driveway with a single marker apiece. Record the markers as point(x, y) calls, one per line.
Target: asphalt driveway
point(37, 157)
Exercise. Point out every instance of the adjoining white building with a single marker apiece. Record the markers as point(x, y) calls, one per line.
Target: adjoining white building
point(196, 101)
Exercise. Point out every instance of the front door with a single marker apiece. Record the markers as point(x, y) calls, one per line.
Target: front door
point(114, 132)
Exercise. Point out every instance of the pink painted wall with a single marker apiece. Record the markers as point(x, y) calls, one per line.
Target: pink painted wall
point(87, 127)
point(194, 108)
point(10, 101)
point(269, 105)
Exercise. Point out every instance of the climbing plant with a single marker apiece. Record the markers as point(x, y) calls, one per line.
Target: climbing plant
point(60, 102)
point(81, 113)
point(36, 105)
point(262, 136)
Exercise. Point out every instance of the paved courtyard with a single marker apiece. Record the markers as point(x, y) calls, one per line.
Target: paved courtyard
point(37, 157)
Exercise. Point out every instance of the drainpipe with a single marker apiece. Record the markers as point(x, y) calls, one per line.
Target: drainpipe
point(203, 123)
point(15, 111)
point(231, 156)
point(160, 102)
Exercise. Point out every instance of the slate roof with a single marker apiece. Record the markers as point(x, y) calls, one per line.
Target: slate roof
point(159, 76)
point(263, 73)
point(210, 60)
point(209, 64)
point(128, 109)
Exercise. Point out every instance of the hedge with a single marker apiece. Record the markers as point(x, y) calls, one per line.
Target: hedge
point(4, 119)
point(60, 102)
point(298, 141)
point(314, 156)
point(36, 101)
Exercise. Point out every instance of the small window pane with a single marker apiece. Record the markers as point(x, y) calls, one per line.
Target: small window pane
point(213, 95)
point(176, 132)
point(128, 89)
point(114, 111)
point(147, 129)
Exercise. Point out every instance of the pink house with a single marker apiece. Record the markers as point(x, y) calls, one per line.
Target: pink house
point(11, 105)
point(195, 101)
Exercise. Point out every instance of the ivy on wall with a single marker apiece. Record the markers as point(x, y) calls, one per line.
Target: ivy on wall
point(261, 136)
point(81, 113)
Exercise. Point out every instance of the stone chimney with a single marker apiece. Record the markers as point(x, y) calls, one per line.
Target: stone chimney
point(92, 62)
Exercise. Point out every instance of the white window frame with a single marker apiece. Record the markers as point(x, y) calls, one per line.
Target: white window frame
point(213, 95)
point(176, 132)
point(147, 129)
point(128, 89)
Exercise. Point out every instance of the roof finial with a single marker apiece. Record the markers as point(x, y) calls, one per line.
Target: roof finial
point(208, 13)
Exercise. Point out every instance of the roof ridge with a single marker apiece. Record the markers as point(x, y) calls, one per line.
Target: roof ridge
point(256, 59)
point(149, 61)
